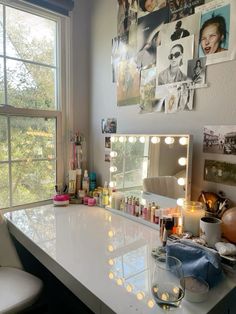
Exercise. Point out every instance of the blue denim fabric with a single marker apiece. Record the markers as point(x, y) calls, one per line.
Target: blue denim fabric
point(197, 260)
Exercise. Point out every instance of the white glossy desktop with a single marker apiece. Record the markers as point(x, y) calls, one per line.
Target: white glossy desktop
point(97, 254)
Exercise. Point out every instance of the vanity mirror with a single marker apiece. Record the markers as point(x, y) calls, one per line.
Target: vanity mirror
point(158, 165)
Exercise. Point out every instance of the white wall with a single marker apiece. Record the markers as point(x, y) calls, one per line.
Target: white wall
point(213, 105)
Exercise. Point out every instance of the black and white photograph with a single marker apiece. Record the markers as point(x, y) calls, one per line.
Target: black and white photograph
point(182, 8)
point(197, 71)
point(147, 6)
point(219, 139)
point(172, 61)
point(182, 28)
point(107, 157)
point(220, 172)
point(216, 40)
point(109, 125)
point(148, 36)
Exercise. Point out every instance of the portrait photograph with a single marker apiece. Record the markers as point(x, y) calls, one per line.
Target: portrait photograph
point(109, 125)
point(145, 7)
point(216, 38)
point(126, 16)
point(148, 35)
point(197, 71)
point(172, 60)
point(182, 28)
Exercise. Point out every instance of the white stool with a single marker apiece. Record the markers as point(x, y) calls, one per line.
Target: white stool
point(18, 289)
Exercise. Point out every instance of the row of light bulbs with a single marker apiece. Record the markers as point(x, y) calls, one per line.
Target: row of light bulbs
point(154, 139)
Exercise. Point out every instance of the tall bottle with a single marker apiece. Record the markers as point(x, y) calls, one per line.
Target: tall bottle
point(85, 182)
point(105, 195)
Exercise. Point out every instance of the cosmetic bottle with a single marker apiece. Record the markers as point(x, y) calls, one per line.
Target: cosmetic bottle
point(92, 181)
point(85, 182)
point(78, 180)
point(105, 195)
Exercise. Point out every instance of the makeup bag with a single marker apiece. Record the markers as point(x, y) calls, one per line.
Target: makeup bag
point(197, 260)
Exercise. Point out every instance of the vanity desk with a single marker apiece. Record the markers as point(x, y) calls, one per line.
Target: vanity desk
point(103, 258)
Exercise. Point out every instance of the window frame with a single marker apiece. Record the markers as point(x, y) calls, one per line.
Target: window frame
point(63, 92)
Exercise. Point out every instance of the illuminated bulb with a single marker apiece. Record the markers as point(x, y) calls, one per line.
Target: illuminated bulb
point(111, 184)
point(140, 295)
point(113, 154)
point(181, 181)
point(121, 139)
point(180, 201)
point(155, 140)
point(183, 141)
point(176, 290)
point(129, 288)
point(111, 275)
point(182, 161)
point(113, 139)
point(119, 282)
point(169, 140)
point(142, 139)
point(151, 303)
point(111, 262)
point(109, 218)
point(165, 296)
point(132, 139)
point(113, 169)
point(110, 248)
point(111, 233)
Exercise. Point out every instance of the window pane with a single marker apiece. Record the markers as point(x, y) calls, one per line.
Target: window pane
point(33, 181)
point(2, 91)
point(30, 86)
point(33, 138)
point(30, 37)
point(4, 185)
point(1, 29)
point(3, 139)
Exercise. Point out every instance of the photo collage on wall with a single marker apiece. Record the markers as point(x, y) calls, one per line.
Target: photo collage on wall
point(163, 48)
point(221, 140)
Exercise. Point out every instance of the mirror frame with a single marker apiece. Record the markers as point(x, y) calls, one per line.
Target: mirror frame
point(188, 156)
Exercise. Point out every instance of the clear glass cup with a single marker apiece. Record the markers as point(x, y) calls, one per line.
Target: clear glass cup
point(168, 286)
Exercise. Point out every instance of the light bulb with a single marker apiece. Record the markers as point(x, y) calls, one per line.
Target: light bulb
point(140, 295)
point(110, 248)
point(113, 139)
point(119, 281)
point(111, 275)
point(169, 140)
point(151, 303)
point(113, 154)
point(155, 140)
point(142, 139)
point(111, 233)
point(111, 262)
point(183, 141)
point(121, 139)
point(129, 288)
point(180, 202)
point(113, 169)
point(132, 139)
point(181, 181)
point(182, 161)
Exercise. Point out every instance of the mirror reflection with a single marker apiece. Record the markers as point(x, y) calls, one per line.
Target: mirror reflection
point(156, 164)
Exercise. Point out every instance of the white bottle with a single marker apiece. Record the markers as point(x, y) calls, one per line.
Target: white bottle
point(85, 182)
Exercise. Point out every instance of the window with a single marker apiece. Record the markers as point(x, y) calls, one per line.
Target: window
point(30, 110)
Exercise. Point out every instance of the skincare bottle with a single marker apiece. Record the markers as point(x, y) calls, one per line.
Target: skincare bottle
point(85, 182)
point(105, 195)
point(78, 181)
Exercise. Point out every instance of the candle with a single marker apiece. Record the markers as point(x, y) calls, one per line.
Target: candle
point(192, 213)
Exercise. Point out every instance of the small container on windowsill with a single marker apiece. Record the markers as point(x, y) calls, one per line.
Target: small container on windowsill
point(61, 200)
point(196, 289)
